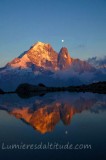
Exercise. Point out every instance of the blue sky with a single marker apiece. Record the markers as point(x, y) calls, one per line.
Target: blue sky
point(81, 23)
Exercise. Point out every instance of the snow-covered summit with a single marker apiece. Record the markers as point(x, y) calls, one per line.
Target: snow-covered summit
point(42, 64)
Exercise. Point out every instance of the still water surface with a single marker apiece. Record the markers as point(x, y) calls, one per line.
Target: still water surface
point(54, 118)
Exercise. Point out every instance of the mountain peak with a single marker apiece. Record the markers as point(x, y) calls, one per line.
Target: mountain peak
point(39, 44)
point(64, 59)
point(64, 49)
point(41, 56)
point(64, 53)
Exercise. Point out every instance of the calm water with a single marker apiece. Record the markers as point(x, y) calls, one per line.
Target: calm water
point(76, 119)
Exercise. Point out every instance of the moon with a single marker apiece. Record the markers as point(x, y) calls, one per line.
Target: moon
point(62, 40)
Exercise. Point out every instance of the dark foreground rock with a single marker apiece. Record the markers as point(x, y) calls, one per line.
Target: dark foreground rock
point(1, 91)
point(99, 87)
point(27, 90)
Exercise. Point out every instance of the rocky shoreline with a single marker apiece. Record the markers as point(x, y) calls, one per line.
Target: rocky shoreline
point(29, 89)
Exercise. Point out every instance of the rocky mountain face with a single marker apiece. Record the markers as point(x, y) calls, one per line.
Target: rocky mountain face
point(42, 64)
point(40, 55)
point(64, 59)
point(43, 56)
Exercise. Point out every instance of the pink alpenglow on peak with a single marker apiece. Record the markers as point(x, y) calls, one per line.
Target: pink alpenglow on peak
point(43, 55)
point(42, 64)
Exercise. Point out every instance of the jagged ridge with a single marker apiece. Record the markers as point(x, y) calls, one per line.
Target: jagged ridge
point(42, 64)
point(42, 55)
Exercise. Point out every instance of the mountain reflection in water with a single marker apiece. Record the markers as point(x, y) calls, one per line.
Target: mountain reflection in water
point(43, 113)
